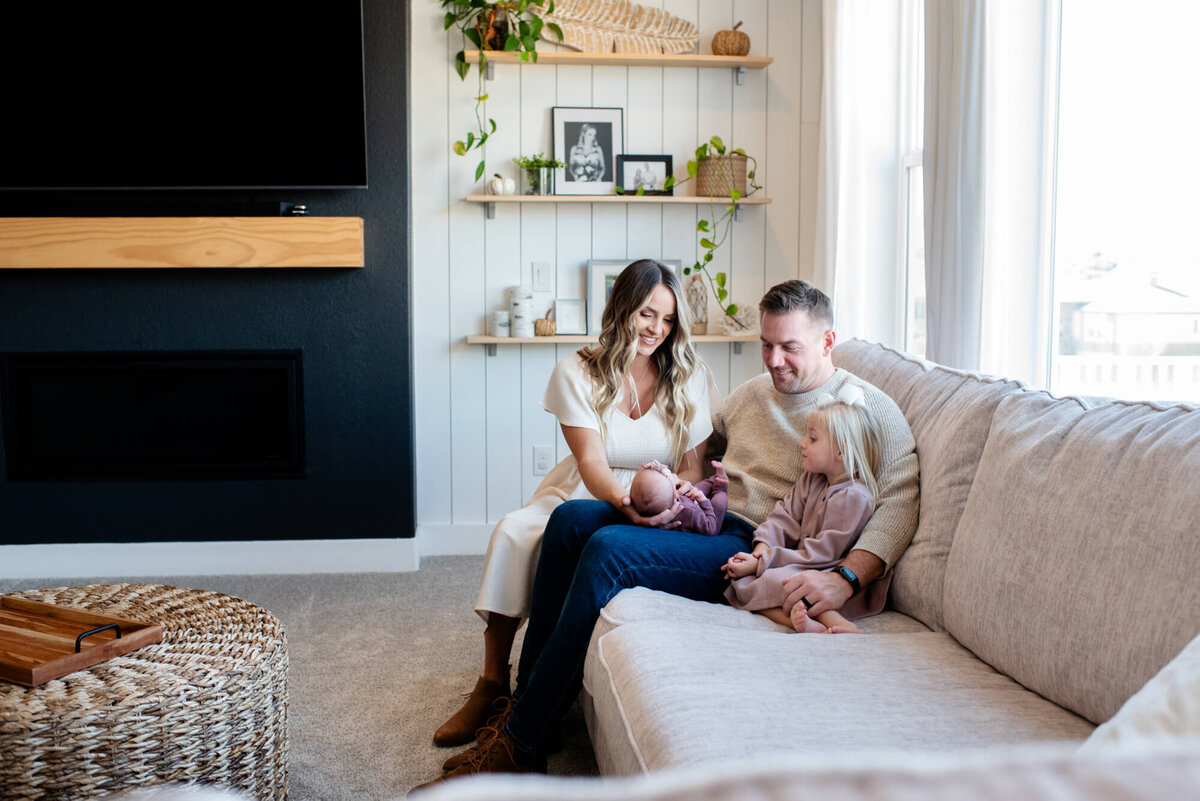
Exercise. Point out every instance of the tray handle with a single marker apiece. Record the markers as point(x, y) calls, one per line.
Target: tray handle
point(79, 639)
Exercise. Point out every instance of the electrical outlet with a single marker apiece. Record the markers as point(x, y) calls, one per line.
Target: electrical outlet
point(543, 459)
point(543, 281)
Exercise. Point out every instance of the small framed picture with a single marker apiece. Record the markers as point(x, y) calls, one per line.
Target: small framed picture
point(568, 316)
point(647, 173)
point(600, 276)
point(587, 140)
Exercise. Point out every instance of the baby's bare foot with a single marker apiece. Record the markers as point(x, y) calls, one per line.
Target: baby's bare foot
point(804, 624)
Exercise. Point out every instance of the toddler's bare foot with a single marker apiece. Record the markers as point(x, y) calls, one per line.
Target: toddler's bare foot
point(844, 628)
point(804, 624)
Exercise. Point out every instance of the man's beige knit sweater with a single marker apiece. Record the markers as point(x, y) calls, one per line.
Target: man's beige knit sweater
point(762, 429)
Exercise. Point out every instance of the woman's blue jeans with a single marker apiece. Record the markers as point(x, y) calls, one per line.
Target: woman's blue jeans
point(589, 554)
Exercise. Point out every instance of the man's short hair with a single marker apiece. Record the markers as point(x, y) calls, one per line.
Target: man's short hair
point(797, 295)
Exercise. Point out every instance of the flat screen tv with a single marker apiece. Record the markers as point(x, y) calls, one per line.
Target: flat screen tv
point(254, 94)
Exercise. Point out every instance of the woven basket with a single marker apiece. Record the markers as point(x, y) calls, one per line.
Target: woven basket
point(716, 176)
point(206, 705)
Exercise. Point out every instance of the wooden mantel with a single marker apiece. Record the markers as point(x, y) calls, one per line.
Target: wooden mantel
point(173, 242)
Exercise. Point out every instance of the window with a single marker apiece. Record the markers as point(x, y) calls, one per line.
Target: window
point(1126, 263)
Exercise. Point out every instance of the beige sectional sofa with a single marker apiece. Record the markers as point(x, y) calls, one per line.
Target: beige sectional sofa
point(1055, 571)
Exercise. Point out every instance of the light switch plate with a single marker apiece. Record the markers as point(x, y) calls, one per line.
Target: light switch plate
point(543, 280)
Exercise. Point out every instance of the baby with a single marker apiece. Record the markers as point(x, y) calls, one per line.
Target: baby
point(654, 490)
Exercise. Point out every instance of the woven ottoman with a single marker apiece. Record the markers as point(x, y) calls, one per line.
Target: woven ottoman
point(208, 704)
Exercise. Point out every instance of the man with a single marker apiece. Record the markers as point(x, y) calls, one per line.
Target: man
point(589, 553)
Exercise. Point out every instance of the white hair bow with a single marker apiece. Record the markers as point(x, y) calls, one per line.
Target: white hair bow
point(851, 395)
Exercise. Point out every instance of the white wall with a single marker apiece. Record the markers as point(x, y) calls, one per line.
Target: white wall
point(478, 417)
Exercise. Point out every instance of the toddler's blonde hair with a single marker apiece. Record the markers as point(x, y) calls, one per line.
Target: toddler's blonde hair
point(855, 433)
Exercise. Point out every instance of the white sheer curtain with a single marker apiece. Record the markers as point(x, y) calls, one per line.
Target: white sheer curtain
point(858, 201)
point(990, 98)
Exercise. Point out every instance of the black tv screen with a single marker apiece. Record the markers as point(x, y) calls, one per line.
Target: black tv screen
point(165, 95)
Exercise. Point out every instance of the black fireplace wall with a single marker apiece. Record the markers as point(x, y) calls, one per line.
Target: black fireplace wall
point(353, 327)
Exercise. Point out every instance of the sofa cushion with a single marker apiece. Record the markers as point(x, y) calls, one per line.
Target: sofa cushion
point(668, 693)
point(639, 605)
point(1028, 773)
point(950, 413)
point(1167, 707)
point(1074, 566)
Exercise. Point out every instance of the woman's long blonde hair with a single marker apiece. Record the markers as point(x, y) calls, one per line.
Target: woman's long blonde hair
point(675, 357)
point(855, 432)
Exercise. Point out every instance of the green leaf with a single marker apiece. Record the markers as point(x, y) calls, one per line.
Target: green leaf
point(461, 66)
point(448, 21)
point(535, 28)
point(530, 44)
point(479, 171)
point(687, 270)
point(550, 10)
point(557, 30)
point(492, 123)
point(731, 309)
point(460, 148)
point(738, 152)
point(532, 55)
point(697, 266)
point(708, 257)
point(470, 140)
point(669, 184)
point(736, 195)
point(722, 294)
point(473, 35)
point(620, 190)
point(701, 153)
point(481, 99)
point(641, 191)
point(527, 56)
point(720, 279)
point(522, 29)
point(702, 225)
point(512, 43)
point(692, 166)
point(718, 145)
point(707, 243)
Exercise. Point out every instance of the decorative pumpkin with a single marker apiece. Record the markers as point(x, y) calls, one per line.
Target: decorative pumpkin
point(499, 185)
point(731, 43)
point(546, 326)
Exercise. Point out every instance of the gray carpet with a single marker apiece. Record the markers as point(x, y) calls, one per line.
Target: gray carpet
point(377, 662)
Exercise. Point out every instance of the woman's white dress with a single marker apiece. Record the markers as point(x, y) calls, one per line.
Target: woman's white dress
point(512, 553)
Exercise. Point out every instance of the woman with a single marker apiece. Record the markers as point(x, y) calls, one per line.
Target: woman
point(587, 157)
point(643, 394)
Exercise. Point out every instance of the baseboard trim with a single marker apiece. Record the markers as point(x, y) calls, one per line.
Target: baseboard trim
point(453, 540)
point(259, 557)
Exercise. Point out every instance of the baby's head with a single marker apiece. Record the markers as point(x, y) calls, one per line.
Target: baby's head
point(651, 492)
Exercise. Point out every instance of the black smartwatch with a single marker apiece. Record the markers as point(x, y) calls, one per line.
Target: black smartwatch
point(849, 576)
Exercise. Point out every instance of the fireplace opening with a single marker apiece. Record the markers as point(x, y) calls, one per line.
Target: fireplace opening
point(137, 416)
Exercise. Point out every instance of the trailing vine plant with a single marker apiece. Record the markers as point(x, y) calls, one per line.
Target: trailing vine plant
point(495, 25)
point(715, 229)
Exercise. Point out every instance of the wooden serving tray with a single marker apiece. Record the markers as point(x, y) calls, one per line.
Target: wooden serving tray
point(40, 641)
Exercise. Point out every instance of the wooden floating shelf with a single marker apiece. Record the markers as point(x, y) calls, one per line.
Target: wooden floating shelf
point(180, 242)
point(591, 339)
point(489, 201)
point(652, 199)
point(628, 59)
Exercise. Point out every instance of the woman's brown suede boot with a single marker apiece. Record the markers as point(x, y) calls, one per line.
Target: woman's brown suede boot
point(461, 727)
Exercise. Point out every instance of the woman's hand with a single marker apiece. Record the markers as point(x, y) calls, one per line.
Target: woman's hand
point(664, 519)
point(740, 565)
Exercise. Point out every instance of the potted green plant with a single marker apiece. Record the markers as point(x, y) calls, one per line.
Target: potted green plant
point(714, 230)
point(493, 25)
point(539, 173)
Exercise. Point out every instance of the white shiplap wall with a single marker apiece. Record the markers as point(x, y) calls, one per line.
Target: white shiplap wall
point(478, 417)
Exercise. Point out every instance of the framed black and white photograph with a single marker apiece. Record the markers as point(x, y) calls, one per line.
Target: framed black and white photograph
point(587, 140)
point(600, 276)
point(648, 173)
point(568, 316)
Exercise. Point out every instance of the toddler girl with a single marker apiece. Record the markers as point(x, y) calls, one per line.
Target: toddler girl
point(817, 524)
